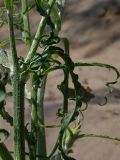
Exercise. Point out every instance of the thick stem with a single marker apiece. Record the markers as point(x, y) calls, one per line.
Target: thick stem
point(26, 36)
point(26, 33)
point(18, 97)
point(39, 32)
point(41, 144)
point(18, 120)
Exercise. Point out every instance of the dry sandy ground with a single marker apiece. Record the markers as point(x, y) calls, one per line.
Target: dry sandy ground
point(93, 38)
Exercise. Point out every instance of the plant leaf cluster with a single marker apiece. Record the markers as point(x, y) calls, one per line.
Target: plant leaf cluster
point(38, 66)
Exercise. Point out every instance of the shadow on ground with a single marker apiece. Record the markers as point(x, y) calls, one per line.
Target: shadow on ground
point(88, 25)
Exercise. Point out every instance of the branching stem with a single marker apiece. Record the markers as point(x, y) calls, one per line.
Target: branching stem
point(39, 33)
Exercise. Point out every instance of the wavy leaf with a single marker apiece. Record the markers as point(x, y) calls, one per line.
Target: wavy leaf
point(4, 58)
point(106, 66)
point(5, 133)
point(5, 115)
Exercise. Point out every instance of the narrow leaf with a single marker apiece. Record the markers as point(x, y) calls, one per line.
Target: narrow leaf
point(3, 43)
point(4, 152)
point(2, 92)
point(57, 20)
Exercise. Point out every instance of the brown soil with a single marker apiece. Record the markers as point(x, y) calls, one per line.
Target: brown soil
point(93, 38)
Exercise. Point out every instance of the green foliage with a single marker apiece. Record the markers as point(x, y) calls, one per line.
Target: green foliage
point(4, 58)
point(35, 68)
point(8, 4)
point(5, 133)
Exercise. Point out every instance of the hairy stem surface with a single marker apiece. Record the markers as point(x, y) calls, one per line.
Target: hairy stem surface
point(18, 97)
point(26, 33)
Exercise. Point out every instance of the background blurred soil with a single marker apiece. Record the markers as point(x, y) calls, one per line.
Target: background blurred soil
point(93, 28)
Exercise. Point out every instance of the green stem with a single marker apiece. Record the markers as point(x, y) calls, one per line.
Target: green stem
point(66, 78)
point(41, 144)
point(54, 148)
point(4, 153)
point(31, 52)
point(99, 136)
point(65, 103)
point(34, 118)
point(26, 33)
point(18, 97)
point(39, 33)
